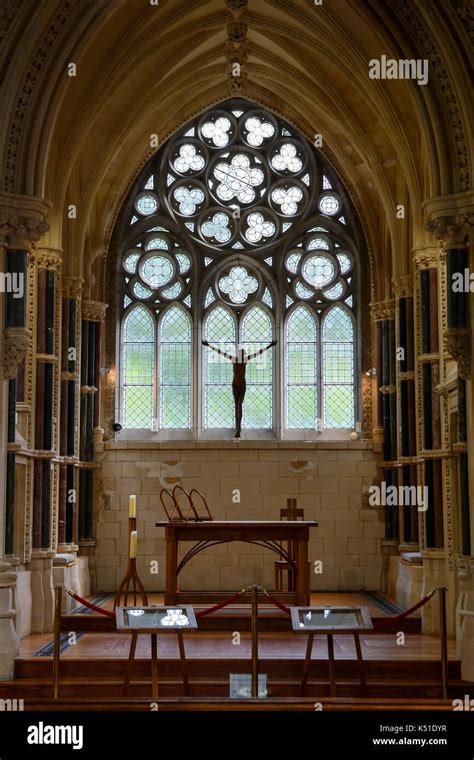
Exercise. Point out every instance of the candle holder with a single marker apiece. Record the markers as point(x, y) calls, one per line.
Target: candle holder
point(131, 583)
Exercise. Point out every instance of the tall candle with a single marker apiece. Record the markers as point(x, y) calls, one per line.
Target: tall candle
point(132, 506)
point(133, 544)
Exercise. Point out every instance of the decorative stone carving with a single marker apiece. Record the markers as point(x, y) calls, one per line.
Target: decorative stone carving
point(457, 343)
point(426, 44)
point(236, 47)
point(452, 229)
point(236, 32)
point(59, 20)
point(24, 229)
point(15, 343)
point(403, 285)
point(72, 287)
point(466, 14)
point(7, 15)
point(46, 258)
point(383, 309)
point(94, 311)
point(236, 6)
point(427, 259)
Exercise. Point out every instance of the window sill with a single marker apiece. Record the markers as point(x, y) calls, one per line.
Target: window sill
point(147, 440)
point(227, 434)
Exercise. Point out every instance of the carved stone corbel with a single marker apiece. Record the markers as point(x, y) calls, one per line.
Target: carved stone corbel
point(22, 229)
point(94, 311)
point(457, 343)
point(15, 344)
point(382, 310)
point(403, 285)
point(452, 230)
point(427, 259)
point(72, 287)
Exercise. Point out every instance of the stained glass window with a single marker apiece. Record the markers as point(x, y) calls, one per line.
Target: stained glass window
point(239, 232)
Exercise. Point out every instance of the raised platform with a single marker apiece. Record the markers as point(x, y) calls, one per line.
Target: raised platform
point(93, 664)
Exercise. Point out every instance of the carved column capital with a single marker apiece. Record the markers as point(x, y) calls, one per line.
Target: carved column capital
point(94, 311)
point(48, 258)
point(426, 258)
point(452, 230)
point(22, 230)
point(381, 310)
point(15, 344)
point(457, 343)
point(22, 218)
point(403, 285)
point(72, 287)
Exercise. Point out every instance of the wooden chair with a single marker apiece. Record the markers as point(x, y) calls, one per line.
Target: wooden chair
point(288, 565)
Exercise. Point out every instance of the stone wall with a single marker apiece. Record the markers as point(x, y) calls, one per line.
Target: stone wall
point(328, 480)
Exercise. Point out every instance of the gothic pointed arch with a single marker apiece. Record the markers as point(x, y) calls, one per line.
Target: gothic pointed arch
point(239, 229)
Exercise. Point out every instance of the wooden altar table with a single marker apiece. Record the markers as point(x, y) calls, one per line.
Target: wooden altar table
point(268, 534)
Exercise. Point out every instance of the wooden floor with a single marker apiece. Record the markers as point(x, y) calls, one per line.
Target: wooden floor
point(271, 646)
point(218, 645)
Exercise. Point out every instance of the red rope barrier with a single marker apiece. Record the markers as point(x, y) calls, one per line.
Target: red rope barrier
point(282, 607)
point(219, 606)
point(403, 615)
point(90, 605)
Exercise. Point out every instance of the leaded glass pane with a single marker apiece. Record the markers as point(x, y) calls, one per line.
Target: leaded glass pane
point(137, 373)
point(238, 179)
point(218, 401)
point(301, 370)
point(257, 334)
point(338, 369)
point(175, 369)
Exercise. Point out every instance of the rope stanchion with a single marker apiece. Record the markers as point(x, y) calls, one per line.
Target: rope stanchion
point(91, 606)
point(278, 604)
point(403, 615)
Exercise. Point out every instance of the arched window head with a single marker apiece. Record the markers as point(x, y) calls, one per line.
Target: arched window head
point(238, 231)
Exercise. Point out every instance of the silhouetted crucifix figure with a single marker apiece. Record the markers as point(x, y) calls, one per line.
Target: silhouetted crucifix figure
point(239, 386)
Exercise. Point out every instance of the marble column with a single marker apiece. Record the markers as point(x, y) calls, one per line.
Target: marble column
point(91, 432)
point(22, 222)
point(383, 317)
point(70, 411)
point(45, 433)
point(406, 425)
point(431, 449)
point(454, 229)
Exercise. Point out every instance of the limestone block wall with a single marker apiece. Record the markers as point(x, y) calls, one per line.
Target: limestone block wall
point(329, 480)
